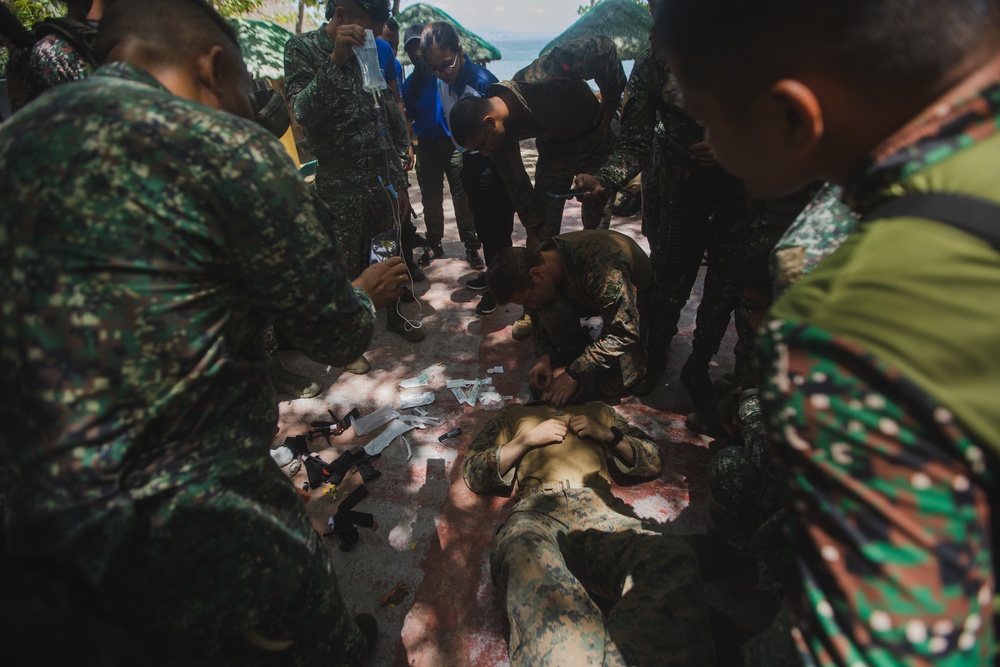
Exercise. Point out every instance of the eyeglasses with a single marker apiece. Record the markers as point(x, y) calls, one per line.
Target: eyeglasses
point(751, 306)
point(445, 69)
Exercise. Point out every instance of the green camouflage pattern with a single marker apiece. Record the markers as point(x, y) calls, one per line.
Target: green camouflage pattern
point(344, 123)
point(888, 497)
point(888, 510)
point(651, 90)
point(146, 238)
point(742, 491)
point(558, 548)
point(603, 280)
point(814, 235)
point(51, 62)
point(543, 88)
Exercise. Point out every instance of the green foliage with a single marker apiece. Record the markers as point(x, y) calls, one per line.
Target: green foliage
point(30, 12)
point(583, 9)
point(235, 7)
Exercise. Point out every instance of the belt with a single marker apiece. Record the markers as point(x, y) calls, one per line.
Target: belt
point(551, 488)
point(367, 163)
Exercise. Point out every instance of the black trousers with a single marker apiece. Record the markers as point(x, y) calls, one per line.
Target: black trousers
point(491, 208)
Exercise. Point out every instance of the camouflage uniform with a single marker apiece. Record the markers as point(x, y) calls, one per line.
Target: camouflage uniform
point(607, 274)
point(144, 237)
point(560, 545)
point(701, 209)
point(742, 484)
point(356, 137)
point(50, 62)
point(559, 113)
point(823, 224)
point(881, 404)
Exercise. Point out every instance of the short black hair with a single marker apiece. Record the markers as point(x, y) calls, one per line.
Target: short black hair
point(509, 272)
point(376, 9)
point(466, 118)
point(391, 24)
point(167, 31)
point(873, 45)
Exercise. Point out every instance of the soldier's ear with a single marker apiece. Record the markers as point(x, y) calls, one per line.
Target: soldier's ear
point(211, 72)
point(490, 122)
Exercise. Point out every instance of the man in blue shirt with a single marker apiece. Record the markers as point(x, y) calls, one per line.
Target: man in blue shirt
point(437, 159)
point(492, 210)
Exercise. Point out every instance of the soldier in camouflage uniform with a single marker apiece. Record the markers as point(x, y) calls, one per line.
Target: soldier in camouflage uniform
point(819, 230)
point(569, 538)
point(702, 209)
point(145, 236)
point(880, 367)
point(54, 60)
point(572, 276)
point(359, 138)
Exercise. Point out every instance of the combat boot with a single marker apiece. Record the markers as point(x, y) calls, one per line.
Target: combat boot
point(396, 323)
point(290, 383)
point(695, 377)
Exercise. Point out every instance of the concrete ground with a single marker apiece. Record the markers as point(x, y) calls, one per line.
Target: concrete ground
point(431, 537)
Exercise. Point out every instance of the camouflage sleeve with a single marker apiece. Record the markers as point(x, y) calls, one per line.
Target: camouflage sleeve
point(619, 339)
point(399, 129)
point(282, 256)
point(646, 452)
point(481, 468)
point(310, 85)
point(543, 341)
point(51, 62)
point(887, 505)
point(594, 57)
point(509, 165)
point(638, 121)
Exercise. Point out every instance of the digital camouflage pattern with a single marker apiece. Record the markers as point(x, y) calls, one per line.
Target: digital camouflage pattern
point(649, 94)
point(145, 239)
point(815, 234)
point(694, 210)
point(51, 62)
point(558, 547)
point(345, 124)
point(742, 491)
point(560, 113)
point(607, 275)
point(888, 485)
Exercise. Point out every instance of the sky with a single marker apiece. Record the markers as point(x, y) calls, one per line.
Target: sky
point(510, 16)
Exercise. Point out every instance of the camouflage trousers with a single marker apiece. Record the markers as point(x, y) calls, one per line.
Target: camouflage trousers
point(556, 551)
point(740, 498)
point(558, 163)
point(361, 208)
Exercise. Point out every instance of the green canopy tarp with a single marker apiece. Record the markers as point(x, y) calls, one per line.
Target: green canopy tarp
point(625, 22)
point(477, 48)
point(263, 46)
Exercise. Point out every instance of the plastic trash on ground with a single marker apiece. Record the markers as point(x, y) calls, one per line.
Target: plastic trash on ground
point(460, 395)
point(416, 400)
point(385, 438)
point(423, 378)
point(369, 423)
point(474, 393)
point(495, 369)
point(282, 455)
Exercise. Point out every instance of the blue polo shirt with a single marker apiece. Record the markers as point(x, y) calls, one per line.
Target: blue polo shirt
point(424, 108)
point(385, 60)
